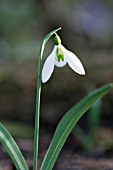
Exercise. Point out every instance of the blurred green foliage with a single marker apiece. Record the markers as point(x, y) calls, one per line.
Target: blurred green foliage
point(88, 139)
point(17, 37)
point(18, 130)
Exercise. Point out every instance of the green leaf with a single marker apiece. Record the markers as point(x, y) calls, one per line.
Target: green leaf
point(12, 149)
point(68, 122)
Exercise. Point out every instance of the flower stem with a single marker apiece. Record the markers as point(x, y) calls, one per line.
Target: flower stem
point(38, 93)
point(37, 115)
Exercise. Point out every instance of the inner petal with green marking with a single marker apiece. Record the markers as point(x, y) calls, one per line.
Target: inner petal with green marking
point(59, 54)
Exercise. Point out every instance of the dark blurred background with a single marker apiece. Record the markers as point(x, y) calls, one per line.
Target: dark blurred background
point(87, 30)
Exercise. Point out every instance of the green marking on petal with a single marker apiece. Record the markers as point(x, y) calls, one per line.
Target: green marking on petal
point(59, 54)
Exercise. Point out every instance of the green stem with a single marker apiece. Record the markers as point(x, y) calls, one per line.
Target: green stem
point(37, 115)
point(38, 93)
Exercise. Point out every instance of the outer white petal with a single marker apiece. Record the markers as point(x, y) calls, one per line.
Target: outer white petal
point(48, 66)
point(73, 61)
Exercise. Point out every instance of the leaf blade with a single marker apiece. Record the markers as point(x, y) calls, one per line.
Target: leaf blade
point(68, 122)
point(12, 149)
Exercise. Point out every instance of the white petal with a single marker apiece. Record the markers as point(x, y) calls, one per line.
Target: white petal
point(48, 66)
point(73, 61)
point(60, 63)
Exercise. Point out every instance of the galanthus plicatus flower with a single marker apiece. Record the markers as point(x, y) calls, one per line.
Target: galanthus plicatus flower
point(59, 57)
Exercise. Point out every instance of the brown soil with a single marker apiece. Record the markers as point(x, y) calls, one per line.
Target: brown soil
point(69, 159)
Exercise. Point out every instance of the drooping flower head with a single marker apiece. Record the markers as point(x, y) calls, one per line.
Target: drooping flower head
point(59, 57)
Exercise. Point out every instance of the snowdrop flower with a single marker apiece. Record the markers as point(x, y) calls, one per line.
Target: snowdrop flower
point(59, 57)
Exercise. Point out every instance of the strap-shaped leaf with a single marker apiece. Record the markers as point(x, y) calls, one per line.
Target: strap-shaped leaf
point(12, 149)
point(68, 122)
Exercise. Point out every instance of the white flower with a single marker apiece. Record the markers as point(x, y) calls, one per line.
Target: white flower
point(59, 57)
